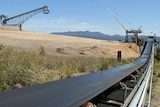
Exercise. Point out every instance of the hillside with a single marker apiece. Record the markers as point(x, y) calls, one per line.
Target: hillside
point(94, 35)
point(66, 45)
point(99, 35)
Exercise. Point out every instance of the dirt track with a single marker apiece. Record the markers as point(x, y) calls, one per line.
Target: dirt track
point(66, 45)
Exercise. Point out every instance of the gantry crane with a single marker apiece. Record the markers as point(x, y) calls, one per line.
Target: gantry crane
point(18, 20)
point(135, 39)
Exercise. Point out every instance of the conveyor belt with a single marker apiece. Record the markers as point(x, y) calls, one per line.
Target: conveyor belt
point(72, 92)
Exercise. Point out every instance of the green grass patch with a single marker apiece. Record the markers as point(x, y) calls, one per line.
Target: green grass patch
point(29, 68)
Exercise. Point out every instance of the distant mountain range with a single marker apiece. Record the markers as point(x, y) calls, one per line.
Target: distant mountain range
point(94, 35)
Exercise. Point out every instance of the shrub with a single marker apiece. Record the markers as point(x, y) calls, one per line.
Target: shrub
point(29, 68)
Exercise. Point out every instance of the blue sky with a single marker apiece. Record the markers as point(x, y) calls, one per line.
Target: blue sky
point(91, 15)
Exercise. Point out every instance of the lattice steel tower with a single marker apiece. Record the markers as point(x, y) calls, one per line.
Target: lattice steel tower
point(15, 22)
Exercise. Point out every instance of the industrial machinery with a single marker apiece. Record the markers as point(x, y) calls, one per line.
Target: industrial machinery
point(15, 22)
point(121, 86)
point(135, 39)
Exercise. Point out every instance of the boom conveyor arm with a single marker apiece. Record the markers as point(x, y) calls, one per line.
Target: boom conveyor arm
point(21, 18)
point(116, 18)
point(135, 32)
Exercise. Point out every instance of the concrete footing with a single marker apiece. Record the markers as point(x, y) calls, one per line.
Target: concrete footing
point(11, 27)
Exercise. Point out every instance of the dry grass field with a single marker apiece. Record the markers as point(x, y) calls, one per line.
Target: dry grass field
point(61, 46)
point(34, 58)
point(66, 45)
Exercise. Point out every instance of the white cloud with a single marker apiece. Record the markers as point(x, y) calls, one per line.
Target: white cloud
point(59, 25)
point(63, 25)
point(84, 23)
